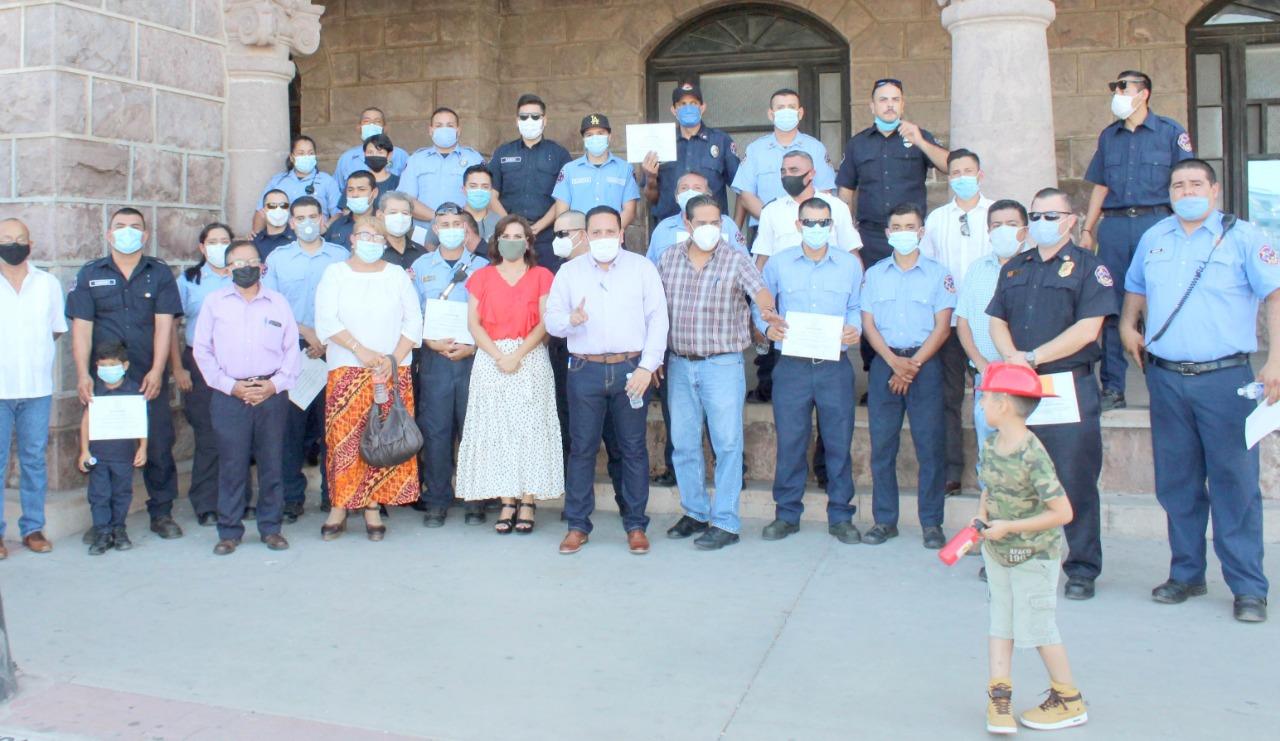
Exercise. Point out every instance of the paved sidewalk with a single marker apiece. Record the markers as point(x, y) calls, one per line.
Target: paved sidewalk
point(460, 634)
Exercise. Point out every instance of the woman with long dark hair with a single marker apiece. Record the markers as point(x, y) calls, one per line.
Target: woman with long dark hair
point(301, 177)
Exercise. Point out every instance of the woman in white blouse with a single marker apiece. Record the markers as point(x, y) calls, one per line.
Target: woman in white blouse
point(368, 317)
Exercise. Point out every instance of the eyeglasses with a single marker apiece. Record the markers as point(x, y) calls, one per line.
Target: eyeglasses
point(1048, 215)
point(562, 233)
point(250, 263)
point(530, 116)
point(370, 237)
point(815, 222)
point(277, 206)
point(964, 225)
point(1123, 85)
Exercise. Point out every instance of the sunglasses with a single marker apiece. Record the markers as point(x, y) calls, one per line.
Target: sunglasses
point(1048, 215)
point(562, 233)
point(815, 222)
point(886, 81)
point(964, 225)
point(530, 116)
point(277, 206)
point(448, 209)
point(1123, 85)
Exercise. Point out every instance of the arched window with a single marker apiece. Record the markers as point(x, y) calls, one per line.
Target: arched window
point(1234, 66)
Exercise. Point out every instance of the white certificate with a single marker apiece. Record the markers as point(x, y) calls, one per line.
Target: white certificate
point(1261, 422)
point(118, 417)
point(645, 138)
point(1062, 409)
point(813, 335)
point(446, 320)
point(311, 380)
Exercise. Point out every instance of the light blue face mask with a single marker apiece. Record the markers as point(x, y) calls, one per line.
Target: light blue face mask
point(965, 186)
point(815, 236)
point(444, 136)
point(369, 252)
point(305, 163)
point(689, 115)
point(904, 242)
point(786, 119)
point(111, 374)
point(1045, 233)
point(1191, 208)
point(596, 144)
point(358, 204)
point(127, 240)
point(684, 196)
point(479, 198)
point(887, 126)
point(368, 130)
point(451, 237)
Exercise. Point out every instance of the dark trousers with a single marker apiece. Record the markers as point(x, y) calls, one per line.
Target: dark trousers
point(1076, 451)
point(801, 387)
point(764, 372)
point(597, 394)
point(1117, 240)
point(875, 247)
point(204, 462)
point(662, 393)
point(442, 408)
point(110, 493)
point(160, 474)
point(297, 422)
point(955, 370)
point(558, 351)
point(1197, 432)
point(922, 404)
point(249, 432)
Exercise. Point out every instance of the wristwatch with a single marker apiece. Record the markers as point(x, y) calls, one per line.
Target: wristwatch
point(1031, 358)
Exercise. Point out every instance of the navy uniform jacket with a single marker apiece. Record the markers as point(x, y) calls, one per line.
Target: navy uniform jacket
point(125, 310)
point(525, 176)
point(1135, 165)
point(268, 242)
point(886, 171)
point(710, 152)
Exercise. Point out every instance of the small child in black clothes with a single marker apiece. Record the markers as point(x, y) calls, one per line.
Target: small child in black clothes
point(110, 463)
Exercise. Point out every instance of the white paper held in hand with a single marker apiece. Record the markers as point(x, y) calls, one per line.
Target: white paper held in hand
point(1261, 422)
point(645, 138)
point(815, 336)
point(311, 380)
point(443, 320)
point(1062, 409)
point(118, 417)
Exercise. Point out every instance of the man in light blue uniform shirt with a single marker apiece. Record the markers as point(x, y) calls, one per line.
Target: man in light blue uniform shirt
point(294, 271)
point(672, 231)
point(1195, 350)
point(906, 316)
point(372, 123)
point(817, 277)
point(433, 174)
point(759, 178)
point(597, 178)
point(301, 177)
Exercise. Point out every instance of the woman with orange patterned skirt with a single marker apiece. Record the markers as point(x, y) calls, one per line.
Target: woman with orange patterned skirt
point(367, 316)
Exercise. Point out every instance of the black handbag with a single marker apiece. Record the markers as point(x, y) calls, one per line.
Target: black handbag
point(391, 440)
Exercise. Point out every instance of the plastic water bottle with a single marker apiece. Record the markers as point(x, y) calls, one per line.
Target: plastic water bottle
point(379, 393)
point(1253, 390)
point(90, 464)
point(636, 401)
point(762, 348)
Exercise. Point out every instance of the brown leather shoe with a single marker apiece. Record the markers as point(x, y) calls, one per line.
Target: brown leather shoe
point(37, 543)
point(573, 542)
point(225, 547)
point(638, 542)
point(276, 542)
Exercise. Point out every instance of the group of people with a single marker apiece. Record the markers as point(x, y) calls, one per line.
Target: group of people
point(558, 335)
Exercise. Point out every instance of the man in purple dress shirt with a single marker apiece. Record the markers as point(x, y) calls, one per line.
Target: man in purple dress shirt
point(246, 345)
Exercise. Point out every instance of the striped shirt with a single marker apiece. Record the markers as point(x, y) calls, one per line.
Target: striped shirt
point(975, 294)
point(708, 307)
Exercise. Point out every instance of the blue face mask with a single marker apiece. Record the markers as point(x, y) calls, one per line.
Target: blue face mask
point(1191, 208)
point(1045, 232)
point(689, 115)
point(369, 252)
point(358, 204)
point(965, 186)
point(815, 236)
point(887, 126)
point(305, 163)
point(368, 130)
point(786, 119)
point(111, 374)
point(444, 136)
point(127, 240)
point(479, 198)
point(596, 144)
point(451, 237)
point(904, 242)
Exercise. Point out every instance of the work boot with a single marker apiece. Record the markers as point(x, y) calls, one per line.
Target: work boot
point(779, 529)
point(845, 532)
point(102, 541)
point(1248, 609)
point(292, 511)
point(1000, 707)
point(120, 537)
point(165, 527)
point(1112, 400)
point(435, 517)
point(879, 533)
point(1063, 708)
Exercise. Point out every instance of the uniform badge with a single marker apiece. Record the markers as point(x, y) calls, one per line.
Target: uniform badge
point(1011, 273)
point(1066, 269)
point(1104, 276)
point(1268, 255)
point(1184, 141)
point(949, 283)
point(715, 151)
point(102, 282)
point(905, 144)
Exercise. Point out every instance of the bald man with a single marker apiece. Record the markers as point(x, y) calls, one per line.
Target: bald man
point(31, 318)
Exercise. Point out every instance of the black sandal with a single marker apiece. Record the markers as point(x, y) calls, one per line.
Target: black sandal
point(375, 532)
point(523, 526)
point(505, 525)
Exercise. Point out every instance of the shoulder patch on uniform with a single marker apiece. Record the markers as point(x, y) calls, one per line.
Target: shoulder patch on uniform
point(733, 146)
point(1103, 276)
point(1268, 255)
point(1184, 141)
point(560, 177)
point(949, 283)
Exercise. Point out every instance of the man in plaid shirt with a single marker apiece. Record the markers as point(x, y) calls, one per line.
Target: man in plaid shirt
point(708, 284)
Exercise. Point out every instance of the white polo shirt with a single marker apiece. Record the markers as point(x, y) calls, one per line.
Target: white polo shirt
point(777, 229)
point(28, 320)
point(944, 240)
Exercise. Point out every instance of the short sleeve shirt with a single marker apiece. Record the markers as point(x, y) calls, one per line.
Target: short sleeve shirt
point(509, 312)
point(1135, 165)
point(886, 171)
point(711, 153)
point(904, 303)
point(584, 185)
point(114, 451)
point(1018, 485)
point(124, 309)
point(525, 176)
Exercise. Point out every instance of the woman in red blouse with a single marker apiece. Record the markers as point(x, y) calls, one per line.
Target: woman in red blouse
point(511, 440)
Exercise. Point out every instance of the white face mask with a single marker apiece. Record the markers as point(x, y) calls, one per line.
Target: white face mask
point(562, 246)
point(707, 237)
point(216, 253)
point(684, 196)
point(530, 129)
point(398, 224)
point(1004, 241)
point(277, 216)
point(605, 249)
point(1122, 105)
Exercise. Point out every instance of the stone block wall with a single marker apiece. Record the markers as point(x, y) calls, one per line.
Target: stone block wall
point(110, 102)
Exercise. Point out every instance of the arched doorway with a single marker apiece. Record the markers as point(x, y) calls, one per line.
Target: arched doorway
point(741, 53)
point(1234, 65)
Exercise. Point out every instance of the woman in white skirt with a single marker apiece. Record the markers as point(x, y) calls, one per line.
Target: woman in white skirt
point(511, 439)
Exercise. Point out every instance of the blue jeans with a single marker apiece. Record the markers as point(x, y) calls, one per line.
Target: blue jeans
point(711, 390)
point(799, 387)
point(924, 406)
point(596, 395)
point(981, 429)
point(30, 418)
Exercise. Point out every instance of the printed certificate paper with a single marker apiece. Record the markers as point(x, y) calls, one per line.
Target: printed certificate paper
point(443, 320)
point(1260, 423)
point(311, 379)
point(118, 417)
point(1063, 409)
point(814, 336)
point(645, 138)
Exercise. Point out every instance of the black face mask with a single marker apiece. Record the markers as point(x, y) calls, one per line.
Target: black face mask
point(14, 253)
point(246, 277)
point(375, 164)
point(794, 185)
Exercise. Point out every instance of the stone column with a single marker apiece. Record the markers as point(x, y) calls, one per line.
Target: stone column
point(260, 36)
point(1001, 100)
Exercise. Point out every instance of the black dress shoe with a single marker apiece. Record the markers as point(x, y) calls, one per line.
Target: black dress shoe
point(756, 397)
point(474, 515)
point(862, 400)
point(250, 513)
point(1078, 587)
point(845, 532)
point(1175, 592)
point(276, 542)
point(435, 517)
point(1112, 400)
point(420, 506)
point(120, 539)
point(714, 539)
point(101, 541)
point(779, 529)
point(685, 527)
point(165, 527)
point(666, 478)
point(1251, 609)
point(879, 534)
point(207, 519)
point(934, 538)
point(292, 511)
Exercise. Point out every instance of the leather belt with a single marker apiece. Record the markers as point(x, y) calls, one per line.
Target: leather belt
point(905, 352)
point(1195, 369)
point(690, 357)
point(1132, 211)
point(251, 379)
point(607, 358)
